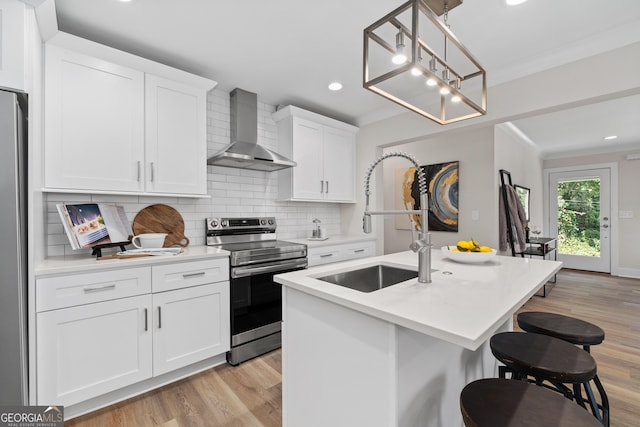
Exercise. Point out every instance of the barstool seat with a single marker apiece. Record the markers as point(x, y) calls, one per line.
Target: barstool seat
point(566, 328)
point(543, 357)
point(497, 402)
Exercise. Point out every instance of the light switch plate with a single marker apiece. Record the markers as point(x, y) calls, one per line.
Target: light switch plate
point(475, 215)
point(625, 214)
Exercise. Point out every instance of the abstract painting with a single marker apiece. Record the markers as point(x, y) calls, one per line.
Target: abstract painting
point(442, 185)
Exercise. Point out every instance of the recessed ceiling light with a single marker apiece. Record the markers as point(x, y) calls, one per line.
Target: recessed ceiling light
point(608, 138)
point(335, 86)
point(514, 2)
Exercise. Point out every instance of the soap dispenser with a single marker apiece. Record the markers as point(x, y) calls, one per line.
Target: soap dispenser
point(316, 231)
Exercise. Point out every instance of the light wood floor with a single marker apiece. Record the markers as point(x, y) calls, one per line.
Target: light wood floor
point(250, 394)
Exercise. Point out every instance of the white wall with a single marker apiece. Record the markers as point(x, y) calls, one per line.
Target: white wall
point(234, 192)
point(523, 162)
point(474, 151)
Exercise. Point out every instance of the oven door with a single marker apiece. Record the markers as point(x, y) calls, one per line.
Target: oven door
point(256, 300)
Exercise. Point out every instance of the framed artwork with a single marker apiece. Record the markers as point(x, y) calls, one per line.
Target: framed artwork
point(442, 185)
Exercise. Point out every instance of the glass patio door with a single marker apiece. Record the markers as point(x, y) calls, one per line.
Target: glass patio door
point(580, 215)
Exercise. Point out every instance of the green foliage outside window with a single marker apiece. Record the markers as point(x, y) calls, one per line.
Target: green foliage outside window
point(579, 217)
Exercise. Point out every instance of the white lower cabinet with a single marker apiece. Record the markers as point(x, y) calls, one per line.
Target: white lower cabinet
point(117, 329)
point(92, 349)
point(187, 326)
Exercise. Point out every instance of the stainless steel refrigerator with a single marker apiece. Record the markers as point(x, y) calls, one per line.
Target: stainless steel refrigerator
point(13, 249)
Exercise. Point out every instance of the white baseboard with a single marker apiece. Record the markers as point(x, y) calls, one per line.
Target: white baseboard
point(627, 272)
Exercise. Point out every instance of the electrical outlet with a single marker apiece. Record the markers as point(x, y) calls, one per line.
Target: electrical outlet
point(625, 214)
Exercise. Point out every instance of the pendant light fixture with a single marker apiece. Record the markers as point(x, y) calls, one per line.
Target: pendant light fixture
point(412, 58)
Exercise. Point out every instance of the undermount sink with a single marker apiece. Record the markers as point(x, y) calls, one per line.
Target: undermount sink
point(369, 279)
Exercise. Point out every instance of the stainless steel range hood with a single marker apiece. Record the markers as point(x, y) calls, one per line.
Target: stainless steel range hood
point(244, 151)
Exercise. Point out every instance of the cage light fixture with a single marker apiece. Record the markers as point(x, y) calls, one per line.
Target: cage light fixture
point(439, 78)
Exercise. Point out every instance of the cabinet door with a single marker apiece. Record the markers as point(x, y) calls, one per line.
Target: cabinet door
point(339, 164)
point(94, 123)
point(86, 351)
point(176, 140)
point(190, 325)
point(307, 153)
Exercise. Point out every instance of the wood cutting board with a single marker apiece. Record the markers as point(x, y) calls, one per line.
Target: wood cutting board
point(161, 219)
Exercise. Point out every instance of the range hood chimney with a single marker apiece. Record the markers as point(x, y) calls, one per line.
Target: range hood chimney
point(244, 151)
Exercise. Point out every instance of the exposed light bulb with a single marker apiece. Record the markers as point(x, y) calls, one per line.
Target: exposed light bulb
point(416, 71)
point(456, 98)
point(399, 57)
point(514, 2)
point(335, 86)
point(431, 82)
point(444, 90)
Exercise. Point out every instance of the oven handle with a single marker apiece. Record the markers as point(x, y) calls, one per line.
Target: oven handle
point(269, 268)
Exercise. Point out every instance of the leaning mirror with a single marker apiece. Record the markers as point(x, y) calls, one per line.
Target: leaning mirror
point(523, 194)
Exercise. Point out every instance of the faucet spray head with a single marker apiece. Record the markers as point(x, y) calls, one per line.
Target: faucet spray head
point(366, 223)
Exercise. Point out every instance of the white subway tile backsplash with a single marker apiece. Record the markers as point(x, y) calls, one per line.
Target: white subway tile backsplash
point(234, 192)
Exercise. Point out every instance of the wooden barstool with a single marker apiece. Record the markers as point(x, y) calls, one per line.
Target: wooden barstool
point(498, 402)
point(575, 331)
point(553, 363)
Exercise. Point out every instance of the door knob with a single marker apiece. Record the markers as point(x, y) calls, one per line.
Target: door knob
point(606, 218)
point(605, 225)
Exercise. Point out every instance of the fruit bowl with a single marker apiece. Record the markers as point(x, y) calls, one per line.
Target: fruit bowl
point(467, 257)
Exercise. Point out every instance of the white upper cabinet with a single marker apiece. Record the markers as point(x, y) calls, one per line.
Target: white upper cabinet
point(94, 123)
point(115, 124)
point(175, 125)
point(12, 44)
point(324, 150)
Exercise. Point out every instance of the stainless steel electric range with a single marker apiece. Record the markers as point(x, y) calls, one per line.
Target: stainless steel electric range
point(256, 300)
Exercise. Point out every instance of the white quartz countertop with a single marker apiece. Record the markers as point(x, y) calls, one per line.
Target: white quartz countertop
point(332, 240)
point(88, 263)
point(464, 304)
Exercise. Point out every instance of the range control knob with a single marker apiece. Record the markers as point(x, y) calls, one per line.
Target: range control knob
point(213, 223)
point(271, 222)
point(224, 223)
point(263, 222)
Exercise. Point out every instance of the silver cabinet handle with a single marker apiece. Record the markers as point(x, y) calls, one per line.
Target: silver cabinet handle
point(358, 251)
point(99, 288)
point(327, 186)
point(159, 317)
point(321, 187)
point(326, 255)
point(146, 320)
point(188, 275)
point(139, 170)
point(152, 171)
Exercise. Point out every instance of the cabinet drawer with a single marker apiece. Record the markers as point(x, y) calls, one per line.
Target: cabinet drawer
point(185, 274)
point(358, 250)
point(323, 255)
point(86, 288)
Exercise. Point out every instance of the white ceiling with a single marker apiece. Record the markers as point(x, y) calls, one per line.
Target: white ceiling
point(288, 51)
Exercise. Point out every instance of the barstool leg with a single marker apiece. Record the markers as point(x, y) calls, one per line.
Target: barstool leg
point(604, 399)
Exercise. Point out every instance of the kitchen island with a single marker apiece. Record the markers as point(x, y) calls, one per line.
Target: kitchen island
point(398, 356)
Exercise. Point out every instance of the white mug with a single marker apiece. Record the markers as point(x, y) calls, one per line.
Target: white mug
point(149, 240)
